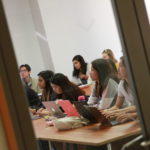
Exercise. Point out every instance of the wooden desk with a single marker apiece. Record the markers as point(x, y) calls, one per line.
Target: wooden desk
point(88, 135)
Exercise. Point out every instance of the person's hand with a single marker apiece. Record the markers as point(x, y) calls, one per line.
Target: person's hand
point(126, 117)
point(43, 112)
point(33, 111)
point(111, 114)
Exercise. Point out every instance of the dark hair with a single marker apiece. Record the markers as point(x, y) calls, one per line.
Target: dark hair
point(113, 69)
point(70, 90)
point(26, 66)
point(104, 73)
point(125, 83)
point(83, 66)
point(47, 75)
point(110, 53)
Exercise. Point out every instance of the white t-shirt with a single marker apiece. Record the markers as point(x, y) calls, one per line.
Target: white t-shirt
point(128, 97)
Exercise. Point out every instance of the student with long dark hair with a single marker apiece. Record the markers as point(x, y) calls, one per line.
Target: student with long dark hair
point(105, 89)
point(65, 89)
point(81, 71)
point(44, 84)
point(124, 90)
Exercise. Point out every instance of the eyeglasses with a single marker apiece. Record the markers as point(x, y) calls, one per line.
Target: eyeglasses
point(23, 70)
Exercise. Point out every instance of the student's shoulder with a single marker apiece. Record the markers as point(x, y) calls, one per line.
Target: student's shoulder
point(121, 84)
point(34, 80)
point(112, 81)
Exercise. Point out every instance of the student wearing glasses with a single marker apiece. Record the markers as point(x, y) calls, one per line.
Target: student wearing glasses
point(25, 73)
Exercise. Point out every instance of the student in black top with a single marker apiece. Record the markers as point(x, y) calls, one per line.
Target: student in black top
point(64, 89)
point(33, 99)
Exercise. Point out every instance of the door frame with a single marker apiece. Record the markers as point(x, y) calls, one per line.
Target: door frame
point(13, 102)
point(134, 29)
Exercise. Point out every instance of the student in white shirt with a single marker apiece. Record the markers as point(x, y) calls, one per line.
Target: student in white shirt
point(124, 90)
point(81, 71)
point(105, 88)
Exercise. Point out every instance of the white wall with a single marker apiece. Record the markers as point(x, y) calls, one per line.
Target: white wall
point(72, 27)
point(23, 34)
point(83, 27)
point(147, 4)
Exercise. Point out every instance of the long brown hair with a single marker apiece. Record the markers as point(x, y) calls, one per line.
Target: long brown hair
point(104, 74)
point(47, 91)
point(110, 54)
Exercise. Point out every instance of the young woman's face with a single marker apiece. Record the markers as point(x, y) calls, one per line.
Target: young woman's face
point(56, 88)
point(94, 74)
point(105, 56)
point(41, 83)
point(122, 71)
point(76, 64)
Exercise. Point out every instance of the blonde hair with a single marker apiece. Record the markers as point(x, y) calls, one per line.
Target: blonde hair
point(110, 54)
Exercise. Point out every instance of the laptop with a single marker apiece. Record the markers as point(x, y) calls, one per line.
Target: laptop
point(68, 108)
point(54, 109)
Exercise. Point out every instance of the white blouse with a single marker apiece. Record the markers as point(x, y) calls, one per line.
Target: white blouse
point(128, 97)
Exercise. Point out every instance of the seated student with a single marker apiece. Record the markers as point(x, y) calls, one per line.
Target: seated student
point(44, 84)
point(81, 71)
point(25, 71)
point(33, 99)
point(105, 89)
point(64, 89)
point(124, 90)
point(108, 54)
point(35, 105)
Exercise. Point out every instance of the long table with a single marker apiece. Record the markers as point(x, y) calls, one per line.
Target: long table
point(87, 135)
